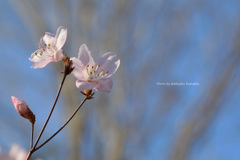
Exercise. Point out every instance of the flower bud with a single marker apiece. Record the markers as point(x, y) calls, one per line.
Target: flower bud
point(22, 108)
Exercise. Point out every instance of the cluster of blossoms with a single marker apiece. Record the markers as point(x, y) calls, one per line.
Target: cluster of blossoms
point(90, 75)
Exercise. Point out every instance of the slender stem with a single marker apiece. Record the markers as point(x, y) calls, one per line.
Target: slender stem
point(32, 132)
point(63, 125)
point(29, 154)
point(31, 143)
point(54, 104)
point(45, 124)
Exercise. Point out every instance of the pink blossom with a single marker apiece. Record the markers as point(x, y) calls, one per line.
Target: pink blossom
point(15, 153)
point(91, 75)
point(20, 106)
point(50, 49)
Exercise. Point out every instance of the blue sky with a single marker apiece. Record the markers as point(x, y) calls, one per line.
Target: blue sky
point(157, 41)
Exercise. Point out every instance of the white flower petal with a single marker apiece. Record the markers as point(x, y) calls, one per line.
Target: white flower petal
point(109, 62)
point(104, 85)
point(82, 85)
point(85, 55)
point(49, 38)
point(61, 36)
point(58, 55)
point(40, 58)
point(79, 69)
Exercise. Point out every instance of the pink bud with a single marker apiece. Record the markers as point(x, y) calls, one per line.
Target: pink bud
point(22, 109)
point(19, 105)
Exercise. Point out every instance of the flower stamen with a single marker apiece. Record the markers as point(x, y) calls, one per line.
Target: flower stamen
point(94, 73)
point(97, 68)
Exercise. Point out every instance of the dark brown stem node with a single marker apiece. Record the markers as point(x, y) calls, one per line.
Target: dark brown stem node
point(68, 65)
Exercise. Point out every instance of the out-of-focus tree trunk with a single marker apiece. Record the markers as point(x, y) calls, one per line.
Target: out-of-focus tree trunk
point(207, 107)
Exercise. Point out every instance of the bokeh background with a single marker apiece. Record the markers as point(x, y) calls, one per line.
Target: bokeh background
point(158, 41)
